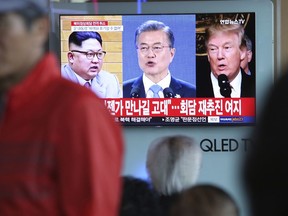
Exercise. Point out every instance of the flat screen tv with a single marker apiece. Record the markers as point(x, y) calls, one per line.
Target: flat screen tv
point(189, 63)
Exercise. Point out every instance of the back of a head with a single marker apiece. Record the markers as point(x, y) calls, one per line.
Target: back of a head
point(205, 200)
point(173, 163)
point(41, 6)
point(138, 198)
point(29, 10)
point(265, 166)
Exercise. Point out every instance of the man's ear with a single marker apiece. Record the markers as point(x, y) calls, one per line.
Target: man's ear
point(70, 57)
point(172, 53)
point(242, 54)
point(249, 54)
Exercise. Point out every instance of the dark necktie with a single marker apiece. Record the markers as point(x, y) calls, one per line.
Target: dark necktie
point(87, 85)
point(155, 89)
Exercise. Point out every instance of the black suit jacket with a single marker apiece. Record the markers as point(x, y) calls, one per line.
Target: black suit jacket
point(205, 88)
point(180, 87)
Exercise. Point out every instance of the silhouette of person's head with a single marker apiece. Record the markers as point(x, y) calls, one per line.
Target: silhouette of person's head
point(138, 198)
point(265, 167)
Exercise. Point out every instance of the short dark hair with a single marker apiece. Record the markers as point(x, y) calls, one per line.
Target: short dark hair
point(248, 42)
point(31, 13)
point(138, 198)
point(205, 200)
point(77, 37)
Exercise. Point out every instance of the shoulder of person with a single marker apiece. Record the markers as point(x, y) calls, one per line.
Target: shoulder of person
point(107, 75)
point(184, 83)
point(131, 81)
point(63, 86)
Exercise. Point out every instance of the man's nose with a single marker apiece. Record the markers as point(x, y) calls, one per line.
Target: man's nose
point(95, 58)
point(151, 52)
point(220, 54)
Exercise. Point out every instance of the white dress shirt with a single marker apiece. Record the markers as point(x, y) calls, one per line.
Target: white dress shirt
point(235, 86)
point(164, 83)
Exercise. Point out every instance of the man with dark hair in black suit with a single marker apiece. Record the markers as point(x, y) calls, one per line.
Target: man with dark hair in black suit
point(155, 48)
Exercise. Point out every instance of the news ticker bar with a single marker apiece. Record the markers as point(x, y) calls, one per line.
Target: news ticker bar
point(204, 120)
point(186, 109)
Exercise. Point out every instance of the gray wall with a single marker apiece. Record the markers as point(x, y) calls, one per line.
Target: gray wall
point(223, 150)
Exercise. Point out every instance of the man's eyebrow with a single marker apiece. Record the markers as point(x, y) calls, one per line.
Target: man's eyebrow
point(157, 43)
point(91, 50)
point(143, 43)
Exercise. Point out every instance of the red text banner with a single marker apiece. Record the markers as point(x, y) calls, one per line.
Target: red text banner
point(181, 107)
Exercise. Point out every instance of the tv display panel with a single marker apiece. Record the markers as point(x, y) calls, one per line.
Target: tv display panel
point(189, 63)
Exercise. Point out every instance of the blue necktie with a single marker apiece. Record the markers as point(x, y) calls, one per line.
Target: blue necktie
point(155, 89)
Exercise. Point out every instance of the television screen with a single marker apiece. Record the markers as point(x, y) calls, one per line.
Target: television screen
point(196, 90)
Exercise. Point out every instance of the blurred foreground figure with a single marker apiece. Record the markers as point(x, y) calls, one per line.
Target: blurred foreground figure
point(173, 165)
point(60, 149)
point(138, 198)
point(205, 200)
point(265, 168)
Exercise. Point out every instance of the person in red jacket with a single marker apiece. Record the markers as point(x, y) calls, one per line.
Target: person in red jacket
point(60, 149)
